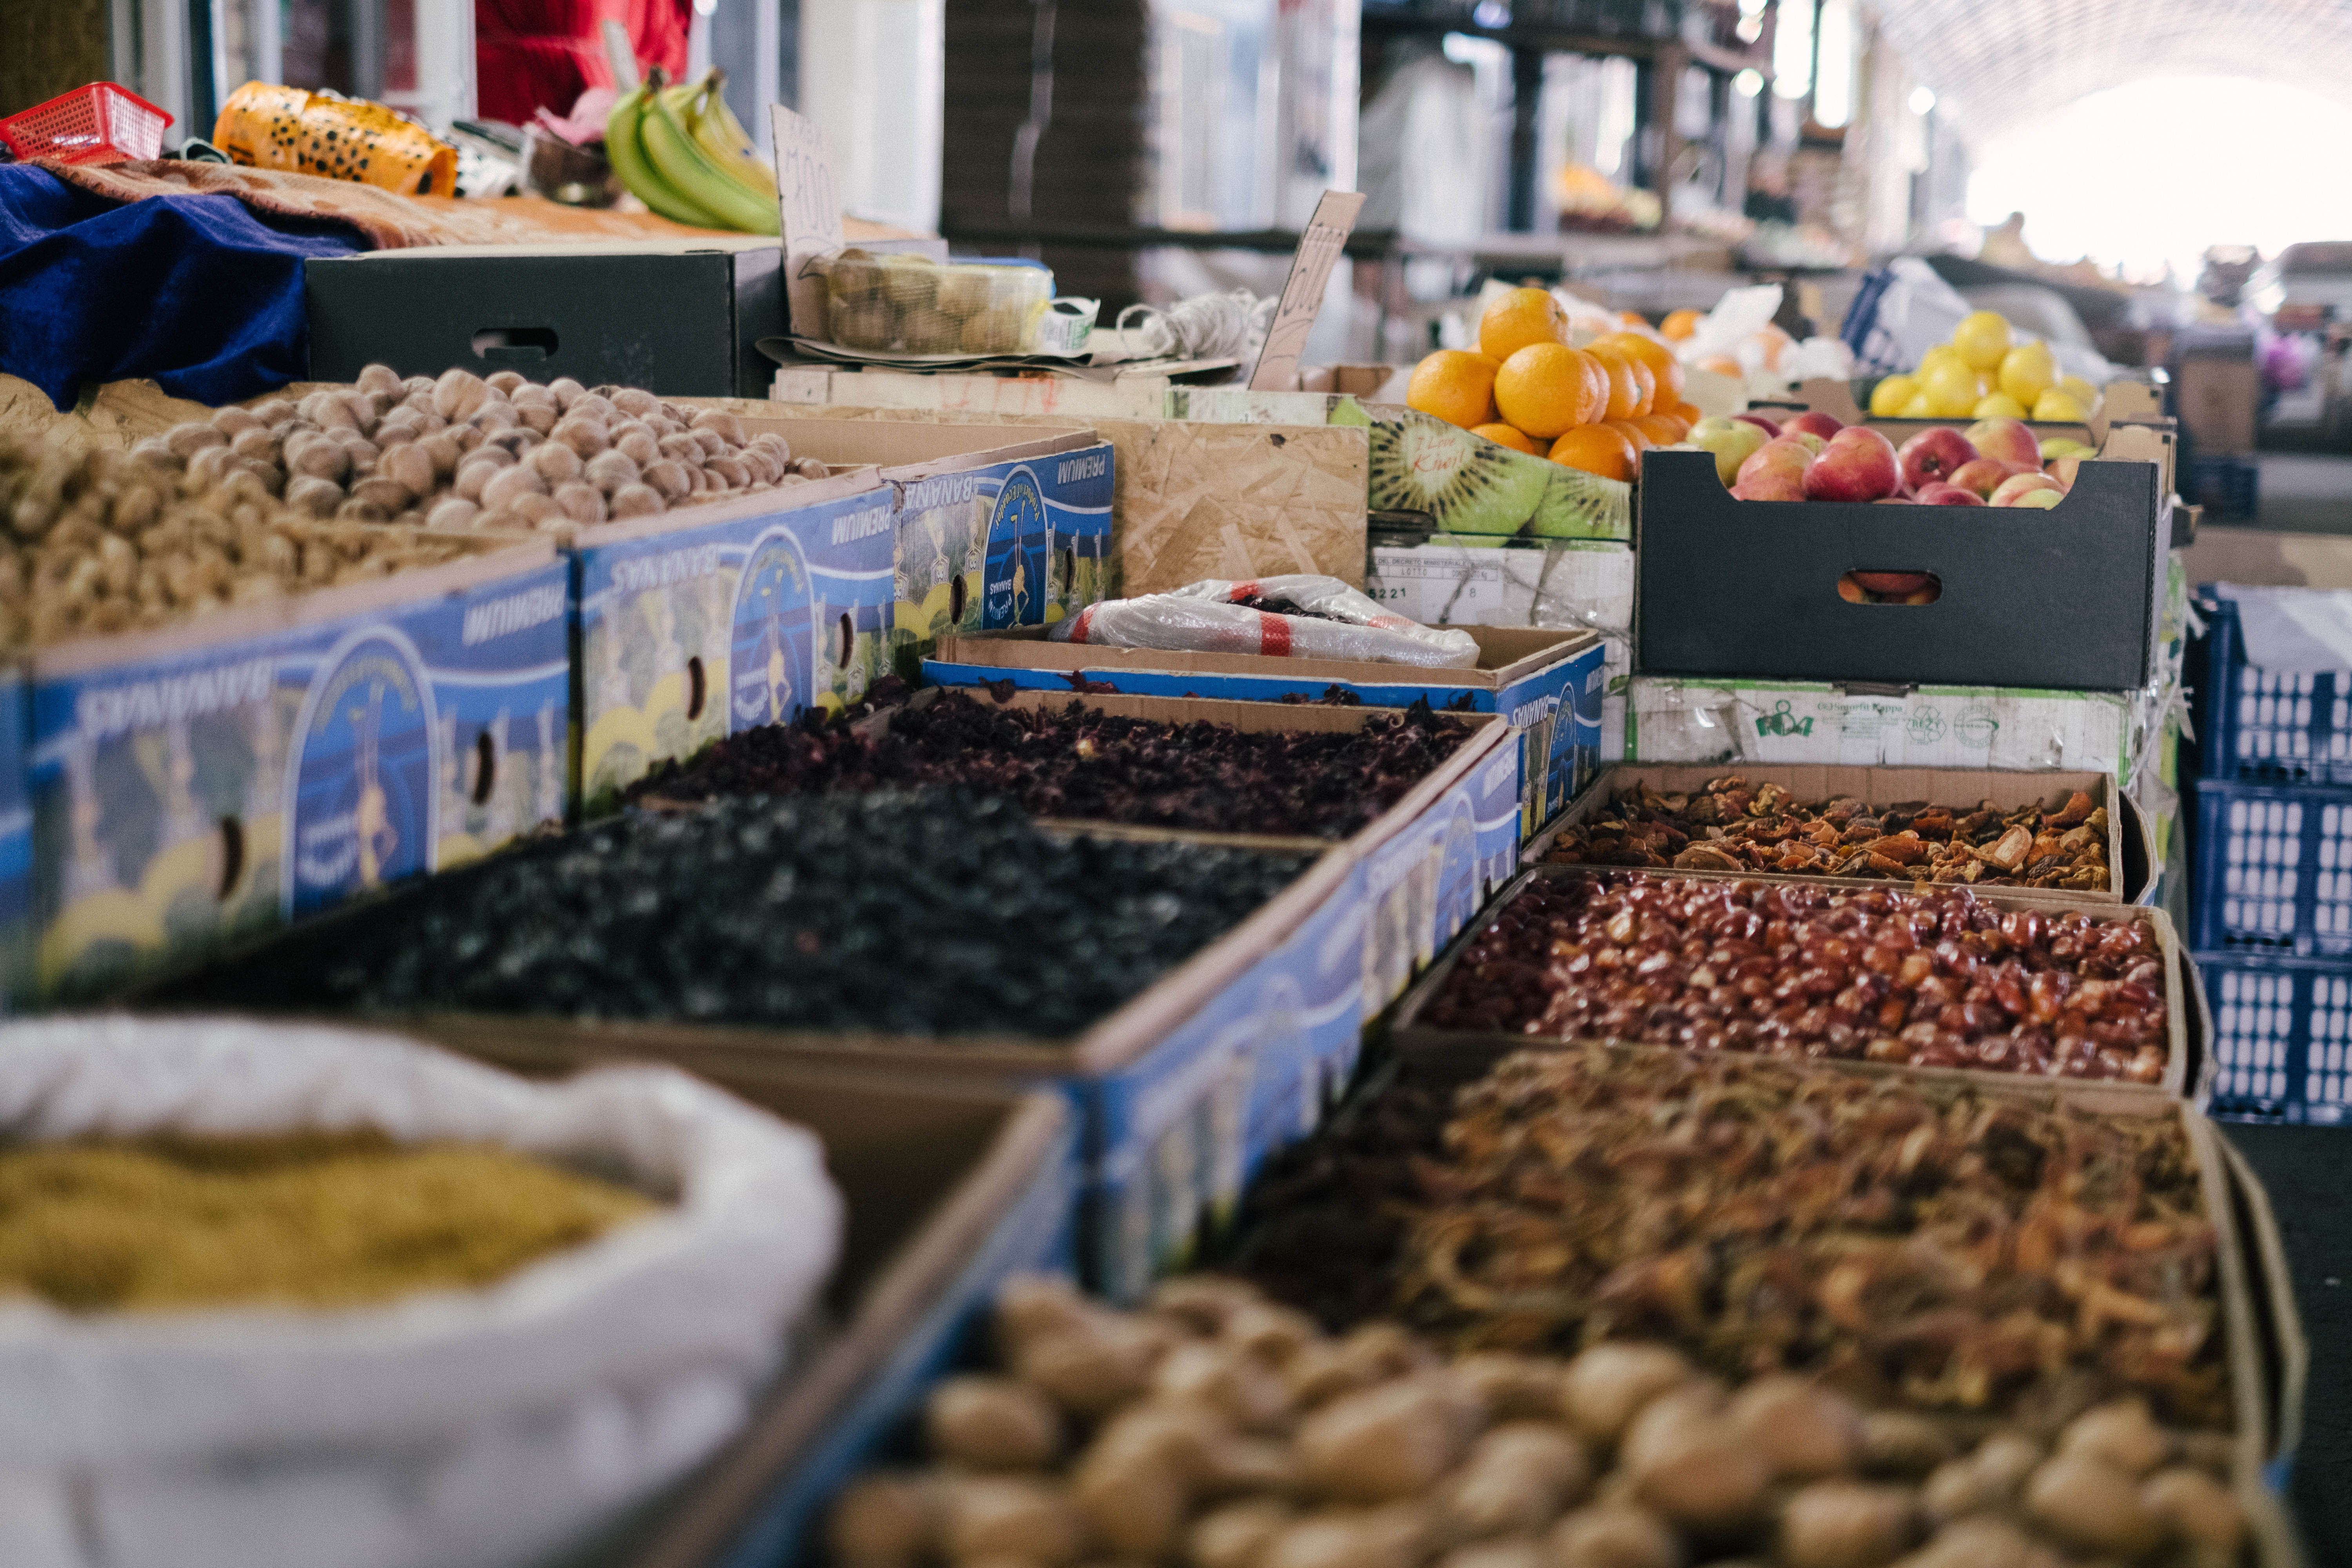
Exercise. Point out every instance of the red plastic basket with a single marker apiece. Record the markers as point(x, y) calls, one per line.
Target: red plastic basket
point(101, 123)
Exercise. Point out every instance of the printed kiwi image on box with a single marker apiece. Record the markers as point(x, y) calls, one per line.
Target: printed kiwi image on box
point(689, 636)
point(1018, 544)
point(199, 789)
point(1467, 484)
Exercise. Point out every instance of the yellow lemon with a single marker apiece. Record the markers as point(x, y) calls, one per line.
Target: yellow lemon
point(1917, 408)
point(1983, 339)
point(2054, 407)
point(2027, 372)
point(1950, 389)
point(2081, 391)
point(1942, 354)
point(1998, 406)
point(1887, 398)
point(1987, 383)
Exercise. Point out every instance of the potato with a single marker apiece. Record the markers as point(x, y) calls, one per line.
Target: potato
point(1134, 1505)
point(1899, 1445)
point(1691, 1464)
point(1388, 1442)
point(1848, 1524)
point(1803, 1431)
point(2122, 1435)
point(887, 1522)
point(2091, 1505)
point(1512, 1386)
point(1983, 1541)
point(1273, 1334)
point(1605, 1387)
point(1239, 1387)
point(1337, 1540)
point(1235, 1536)
point(1518, 1479)
point(1612, 1536)
point(2195, 1507)
point(983, 1423)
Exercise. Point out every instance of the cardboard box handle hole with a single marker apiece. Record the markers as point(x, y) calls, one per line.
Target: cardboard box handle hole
point(1901, 586)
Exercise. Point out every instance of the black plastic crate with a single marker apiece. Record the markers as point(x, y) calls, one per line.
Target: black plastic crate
point(2282, 1044)
point(2266, 726)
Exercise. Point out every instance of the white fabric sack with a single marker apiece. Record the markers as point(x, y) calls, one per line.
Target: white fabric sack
point(1200, 617)
point(450, 1430)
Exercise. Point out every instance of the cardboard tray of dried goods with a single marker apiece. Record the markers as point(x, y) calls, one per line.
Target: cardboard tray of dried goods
point(948, 1191)
point(1547, 682)
point(1410, 1036)
point(2129, 856)
point(2263, 1345)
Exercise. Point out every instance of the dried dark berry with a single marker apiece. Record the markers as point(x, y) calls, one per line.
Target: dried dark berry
point(919, 914)
point(1078, 763)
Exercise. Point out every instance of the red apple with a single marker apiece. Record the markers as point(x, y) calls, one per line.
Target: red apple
point(1858, 464)
point(1822, 425)
point(1771, 428)
point(1850, 590)
point(2064, 470)
point(1805, 438)
point(1980, 476)
point(2039, 500)
point(1938, 493)
point(1892, 583)
point(1933, 455)
point(1774, 471)
point(2011, 440)
point(2018, 485)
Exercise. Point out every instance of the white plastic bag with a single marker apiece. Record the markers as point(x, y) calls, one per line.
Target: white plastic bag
point(1203, 618)
point(449, 1429)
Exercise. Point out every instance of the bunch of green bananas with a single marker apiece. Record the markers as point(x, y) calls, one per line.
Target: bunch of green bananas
point(681, 150)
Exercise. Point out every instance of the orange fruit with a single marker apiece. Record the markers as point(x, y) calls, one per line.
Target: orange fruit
point(1505, 436)
point(1518, 318)
point(1688, 413)
point(1637, 438)
point(1545, 388)
point(1631, 385)
point(1773, 340)
point(1634, 318)
point(1663, 365)
point(1455, 387)
point(1721, 365)
point(1596, 449)
point(1680, 324)
point(1663, 429)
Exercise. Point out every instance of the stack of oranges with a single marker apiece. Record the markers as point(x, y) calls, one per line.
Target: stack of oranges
point(1595, 407)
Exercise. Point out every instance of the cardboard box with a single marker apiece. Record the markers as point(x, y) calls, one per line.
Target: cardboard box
point(2128, 855)
point(2219, 402)
point(1499, 491)
point(217, 777)
point(2068, 599)
point(1192, 501)
point(1778, 722)
point(930, 525)
point(678, 318)
point(948, 1191)
point(1547, 684)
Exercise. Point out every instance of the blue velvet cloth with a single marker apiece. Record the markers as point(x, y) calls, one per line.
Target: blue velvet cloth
point(197, 293)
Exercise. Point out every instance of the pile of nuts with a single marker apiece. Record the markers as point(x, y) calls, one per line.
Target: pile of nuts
point(466, 452)
point(1919, 1243)
point(1214, 1430)
point(102, 542)
point(1731, 825)
point(1936, 978)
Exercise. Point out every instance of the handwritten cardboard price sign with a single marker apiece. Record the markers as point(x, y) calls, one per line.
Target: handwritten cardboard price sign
point(1302, 295)
point(808, 199)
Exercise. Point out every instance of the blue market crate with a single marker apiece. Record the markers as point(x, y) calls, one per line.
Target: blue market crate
point(2265, 725)
point(2228, 488)
point(2281, 1046)
point(2272, 870)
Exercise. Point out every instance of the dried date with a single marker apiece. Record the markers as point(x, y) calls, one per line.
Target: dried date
point(1931, 978)
point(1732, 824)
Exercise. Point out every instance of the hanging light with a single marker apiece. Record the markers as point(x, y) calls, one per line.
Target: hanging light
point(1923, 98)
point(1748, 82)
point(1834, 82)
point(1793, 49)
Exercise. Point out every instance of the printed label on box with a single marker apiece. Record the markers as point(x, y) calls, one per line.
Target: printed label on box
point(1933, 726)
point(1012, 544)
point(690, 636)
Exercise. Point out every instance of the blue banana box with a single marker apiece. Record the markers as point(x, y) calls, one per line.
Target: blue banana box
point(1547, 684)
point(699, 624)
point(197, 784)
point(995, 527)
